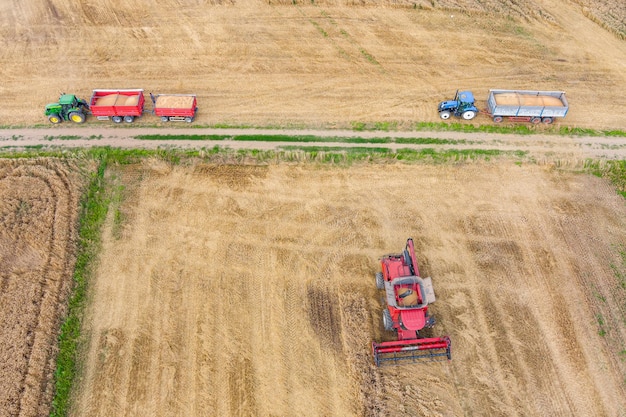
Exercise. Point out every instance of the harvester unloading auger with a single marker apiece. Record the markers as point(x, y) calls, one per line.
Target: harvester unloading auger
point(408, 296)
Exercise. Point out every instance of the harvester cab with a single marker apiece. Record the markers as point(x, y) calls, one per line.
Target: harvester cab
point(407, 297)
point(69, 107)
point(462, 106)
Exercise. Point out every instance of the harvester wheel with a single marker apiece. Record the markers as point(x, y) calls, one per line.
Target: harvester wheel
point(445, 115)
point(380, 280)
point(117, 119)
point(387, 321)
point(77, 117)
point(129, 119)
point(469, 115)
point(55, 119)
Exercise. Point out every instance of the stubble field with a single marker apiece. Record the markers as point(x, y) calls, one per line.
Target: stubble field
point(313, 64)
point(38, 214)
point(249, 290)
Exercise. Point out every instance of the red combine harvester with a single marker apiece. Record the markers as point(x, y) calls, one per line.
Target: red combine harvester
point(408, 296)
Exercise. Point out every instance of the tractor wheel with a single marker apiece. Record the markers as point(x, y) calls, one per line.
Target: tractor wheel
point(129, 119)
point(55, 119)
point(468, 115)
point(77, 117)
point(445, 115)
point(380, 280)
point(498, 119)
point(117, 119)
point(387, 321)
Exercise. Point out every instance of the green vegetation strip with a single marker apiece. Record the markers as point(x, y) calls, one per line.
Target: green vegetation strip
point(93, 212)
point(182, 137)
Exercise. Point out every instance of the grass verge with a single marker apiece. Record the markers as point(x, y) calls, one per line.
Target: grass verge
point(93, 212)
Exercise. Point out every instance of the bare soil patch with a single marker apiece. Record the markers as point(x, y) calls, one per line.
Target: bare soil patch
point(38, 214)
point(249, 290)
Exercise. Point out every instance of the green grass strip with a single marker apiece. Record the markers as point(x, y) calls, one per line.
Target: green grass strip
point(94, 208)
point(182, 137)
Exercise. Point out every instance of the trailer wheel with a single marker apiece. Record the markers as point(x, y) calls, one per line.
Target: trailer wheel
point(387, 322)
point(117, 119)
point(188, 119)
point(380, 280)
point(498, 119)
point(55, 119)
point(129, 119)
point(445, 115)
point(77, 117)
point(165, 119)
point(469, 115)
point(547, 120)
point(535, 120)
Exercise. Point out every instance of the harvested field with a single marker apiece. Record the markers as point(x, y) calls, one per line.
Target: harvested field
point(249, 290)
point(38, 214)
point(311, 64)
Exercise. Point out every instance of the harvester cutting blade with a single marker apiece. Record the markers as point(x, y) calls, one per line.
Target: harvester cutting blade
point(413, 350)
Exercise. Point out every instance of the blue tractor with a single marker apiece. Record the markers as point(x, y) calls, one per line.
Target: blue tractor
point(462, 106)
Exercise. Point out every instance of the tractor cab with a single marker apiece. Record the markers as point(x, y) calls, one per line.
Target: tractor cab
point(462, 106)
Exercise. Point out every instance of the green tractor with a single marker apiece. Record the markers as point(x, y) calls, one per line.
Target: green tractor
point(68, 108)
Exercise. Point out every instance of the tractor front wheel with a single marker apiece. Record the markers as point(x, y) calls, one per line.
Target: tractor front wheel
point(77, 117)
point(55, 119)
point(445, 115)
point(380, 280)
point(387, 321)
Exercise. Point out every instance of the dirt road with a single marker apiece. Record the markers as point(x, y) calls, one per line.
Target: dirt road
point(538, 145)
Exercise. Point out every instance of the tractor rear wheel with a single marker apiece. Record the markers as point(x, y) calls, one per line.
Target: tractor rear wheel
point(77, 117)
point(55, 119)
point(380, 280)
point(445, 115)
point(468, 115)
point(387, 321)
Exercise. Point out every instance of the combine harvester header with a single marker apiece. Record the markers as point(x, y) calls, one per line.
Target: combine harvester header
point(407, 297)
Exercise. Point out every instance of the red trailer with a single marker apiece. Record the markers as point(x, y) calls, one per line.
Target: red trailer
point(175, 107)
point(117, 105)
